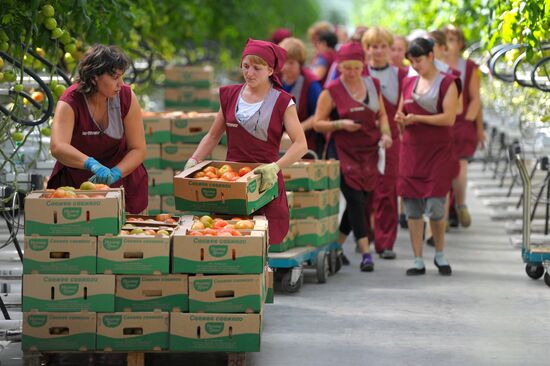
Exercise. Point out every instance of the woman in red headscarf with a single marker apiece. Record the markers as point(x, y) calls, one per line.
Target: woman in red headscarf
point(254, 116)
point(352, 110)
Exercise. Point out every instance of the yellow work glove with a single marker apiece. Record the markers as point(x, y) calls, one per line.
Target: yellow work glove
point(269, 175)
point(190, 163)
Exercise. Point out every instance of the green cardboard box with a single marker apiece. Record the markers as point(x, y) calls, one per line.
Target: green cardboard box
point(43, 331)
point(218, 254)
point(151, 292)
point(157, 127)
point(201, 77)
point(68, 293)
point(215, 332)
point(153, 208)
point(161, 181)
point(270, 295)
point(306, 175)
point(240, 197)
point(153, 158)
point(60, 254)
point(333, 173)
point(226, 293)
point(134, 254)
point(140, 331)
point(168, 204)
point(333, 228)
point(175, 155)
point(187, 97)
point(288, 242)
point(333, 201)
point(190, 128)
point(100, 213)
point(311, 232)
point(314, 204)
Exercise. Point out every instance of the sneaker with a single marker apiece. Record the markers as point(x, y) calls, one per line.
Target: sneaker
point(387, 254)
point(367, 264)
point(403, 221)
point(464, 216)
point(430, 241)
point(345, 260)
point(416, 271)
point(444, 270)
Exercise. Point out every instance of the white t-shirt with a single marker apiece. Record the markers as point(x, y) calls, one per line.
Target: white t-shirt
point(246, 110)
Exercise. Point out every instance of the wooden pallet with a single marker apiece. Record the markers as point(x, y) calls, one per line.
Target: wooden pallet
point(133, 358)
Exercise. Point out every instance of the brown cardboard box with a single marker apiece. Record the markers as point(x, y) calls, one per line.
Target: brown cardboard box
point(333, 173)
point(313, 204)
point(175, 155)
point(306, 175)
point(333, 207)
point(132, 331)
point(215, 332)
point(187, 97)
point(153, 157)
point(168, 204)
point(190, 128)
point(161, 181)
point(151, 292)
point(133, 221)
point(270, 296)
point(60, 254)
point(157, 127)
point(153, 208)
point(196, 76)
point(311, 232)
point(134, 254)
point(44, 331)
point(226, 293)
point(240, 197)
point(218, 254)
point(74, 216)
point(68, 293)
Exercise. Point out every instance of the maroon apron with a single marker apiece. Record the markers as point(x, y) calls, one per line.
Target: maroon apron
point(465, 131)
point(426, 164)
point(357, 151)
point(91, 141)
point(330, 56)
point(244, 147)
point(384, 202)
point(312, 137)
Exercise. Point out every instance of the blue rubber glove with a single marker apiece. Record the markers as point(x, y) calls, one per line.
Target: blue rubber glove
point(116, 175)
point(102, 174)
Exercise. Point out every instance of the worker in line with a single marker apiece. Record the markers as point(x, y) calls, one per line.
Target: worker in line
point(426, 113)
point(468, 124)
point(352, 110)
point(377, 42)
point(254, 115)
point(301, 83)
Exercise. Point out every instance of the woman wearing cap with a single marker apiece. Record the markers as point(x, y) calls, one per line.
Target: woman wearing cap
point(254, 116)
point(304, 86)
point(377, 42)
point(97, 132)
point(349, 109)
point(426, 112)
point(468, 126)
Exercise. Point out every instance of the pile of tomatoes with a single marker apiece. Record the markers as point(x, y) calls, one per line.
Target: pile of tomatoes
point(225, 173)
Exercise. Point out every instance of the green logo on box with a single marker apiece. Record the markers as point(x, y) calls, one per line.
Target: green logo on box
point(38, 244)
point(218, 250)
point(112, 321)
point(68, 289)
point(202, 285)
point(170, 149)
point(214, 328)
point(72, 213)
point(317, 173)
point(252, 186)
point(181, 123)
point(209, 192)
point(130, 283)
point(112, 243)
point(37, 321)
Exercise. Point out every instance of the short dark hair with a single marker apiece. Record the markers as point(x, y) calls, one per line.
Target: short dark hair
point(330, 38)
point(98, 60)
point(420, 47)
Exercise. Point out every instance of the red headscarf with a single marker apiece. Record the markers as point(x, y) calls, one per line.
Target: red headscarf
point(351, 51)
point(280, 34)
point(271, 53)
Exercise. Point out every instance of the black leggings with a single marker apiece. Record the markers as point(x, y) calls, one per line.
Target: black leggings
point(354, 217)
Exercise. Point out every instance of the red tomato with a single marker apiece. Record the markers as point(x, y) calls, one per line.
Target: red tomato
point(244, 170)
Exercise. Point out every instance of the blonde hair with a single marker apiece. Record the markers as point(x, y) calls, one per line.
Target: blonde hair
point(439, 37)
point(295, 49)
point(457, 32)
point(350, 63)
point(318, 27)
point(376, 35)
point(257, 60)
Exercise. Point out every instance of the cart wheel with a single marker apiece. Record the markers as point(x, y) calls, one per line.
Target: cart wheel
point(547, 279)
point(534, 271)
point(333, 261)
point(339, 262)
point(288, 286)
point(323, 270)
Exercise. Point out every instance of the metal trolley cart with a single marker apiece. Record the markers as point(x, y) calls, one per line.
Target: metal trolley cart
point(289, 265)
point(535, 253)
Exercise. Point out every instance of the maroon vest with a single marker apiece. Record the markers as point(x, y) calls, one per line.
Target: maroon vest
point(309, 78)
point(244, 147)
point(357, 151)
point(471, 67)
point(426, 164)
point(88, 139)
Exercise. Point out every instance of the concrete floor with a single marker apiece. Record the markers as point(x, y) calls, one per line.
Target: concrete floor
point(487, 313)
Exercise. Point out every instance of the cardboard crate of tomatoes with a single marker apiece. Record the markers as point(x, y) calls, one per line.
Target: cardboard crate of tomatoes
point(221, 187)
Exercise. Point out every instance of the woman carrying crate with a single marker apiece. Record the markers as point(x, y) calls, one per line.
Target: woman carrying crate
point(352, 110)
point(97, 131)
point(254, 115)
point(426, 113)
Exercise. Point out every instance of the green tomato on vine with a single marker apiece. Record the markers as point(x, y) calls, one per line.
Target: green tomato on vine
point(48, 11)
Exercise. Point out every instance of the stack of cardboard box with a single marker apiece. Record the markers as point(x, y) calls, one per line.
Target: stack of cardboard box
point(314, 203)
point(190, 88)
